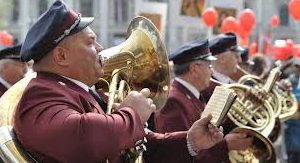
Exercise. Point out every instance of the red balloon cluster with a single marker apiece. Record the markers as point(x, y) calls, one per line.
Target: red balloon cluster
point(294, 9)
point(275, 21)
point(6, 38)
point(210, 17)
point(284, 52)
point(229, 24)
point(242, 27)
point(247, 19)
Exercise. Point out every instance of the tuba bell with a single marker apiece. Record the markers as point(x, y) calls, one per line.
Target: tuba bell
point(139, 62)
point(10, 149)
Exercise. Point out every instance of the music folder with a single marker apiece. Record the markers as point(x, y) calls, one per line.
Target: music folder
point(219, 104)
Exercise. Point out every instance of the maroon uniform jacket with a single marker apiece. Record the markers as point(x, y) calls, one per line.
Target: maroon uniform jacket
point(180, 112)
point(3, 89)
point(58, 121)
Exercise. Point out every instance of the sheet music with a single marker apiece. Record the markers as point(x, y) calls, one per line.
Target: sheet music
point(219, 104)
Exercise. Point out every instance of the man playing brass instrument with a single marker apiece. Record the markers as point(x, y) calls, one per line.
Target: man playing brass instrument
point(192, 68)
point(58, 120)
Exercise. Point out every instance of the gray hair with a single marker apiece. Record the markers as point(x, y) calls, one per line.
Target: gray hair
point(180, 69)
point(4, 62)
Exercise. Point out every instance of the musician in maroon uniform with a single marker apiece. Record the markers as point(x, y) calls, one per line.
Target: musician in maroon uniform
point(192, 68)
point(60, 118)
point(224, 48)
point(11, 68)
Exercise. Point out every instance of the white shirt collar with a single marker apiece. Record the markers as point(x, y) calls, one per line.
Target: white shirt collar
point(79, 83)
point(5, 83)
point(189, 86)
point(222, 78)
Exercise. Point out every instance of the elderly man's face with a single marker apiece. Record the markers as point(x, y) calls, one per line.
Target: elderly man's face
point(85, 61)
point(203, 74)
point(230, 61)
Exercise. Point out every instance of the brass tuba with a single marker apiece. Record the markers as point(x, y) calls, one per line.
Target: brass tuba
point(10, 149)
point(139, 62)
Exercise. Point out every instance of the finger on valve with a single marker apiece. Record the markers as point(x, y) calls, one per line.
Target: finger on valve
point(145, 92)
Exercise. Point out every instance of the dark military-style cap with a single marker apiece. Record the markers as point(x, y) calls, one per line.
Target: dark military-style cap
point(11, 52)
point(195, 50)
point(223, 43)
point(58, 22)
point(245, 57)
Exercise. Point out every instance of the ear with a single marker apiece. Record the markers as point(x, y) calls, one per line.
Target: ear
point(193, 68)
point(60, 56)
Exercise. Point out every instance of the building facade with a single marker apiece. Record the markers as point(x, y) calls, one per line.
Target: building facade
point(112, 18)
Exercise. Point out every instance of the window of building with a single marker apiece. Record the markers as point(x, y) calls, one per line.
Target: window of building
point(16, 10)
point(284, 15)
point(42, 6)
point(86, 8)
point(121, 10)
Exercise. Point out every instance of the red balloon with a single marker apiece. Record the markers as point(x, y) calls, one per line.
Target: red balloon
point(242, 32)
point(245, 42)
point(275, 21)
point(210, 17)
point(294, 9)
point(253, 48)
point(297, 50)
point(6, 38)
point(229, 24)
point(280, 52)
point(289, 46)
point(247, 19)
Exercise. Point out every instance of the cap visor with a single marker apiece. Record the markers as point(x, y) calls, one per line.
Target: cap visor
point(84, 22)
point(210, 58)
point(240, 49)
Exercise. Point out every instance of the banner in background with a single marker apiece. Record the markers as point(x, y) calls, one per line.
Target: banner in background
point(223, 13)
point(156, 12)
point(193, 8)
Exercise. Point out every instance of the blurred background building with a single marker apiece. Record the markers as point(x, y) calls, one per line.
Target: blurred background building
point(112, 18)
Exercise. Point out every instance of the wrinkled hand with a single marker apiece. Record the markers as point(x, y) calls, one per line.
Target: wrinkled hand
point(238, 141)
point(203, 135)
point(140, 102)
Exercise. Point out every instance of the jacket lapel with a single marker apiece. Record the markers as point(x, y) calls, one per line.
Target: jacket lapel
point(63, 81)
point(188, 94)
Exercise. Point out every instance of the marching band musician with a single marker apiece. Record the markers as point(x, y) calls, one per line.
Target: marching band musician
point(58, 118)
point(224, 48)
point(11, 68)
point(192, 68)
